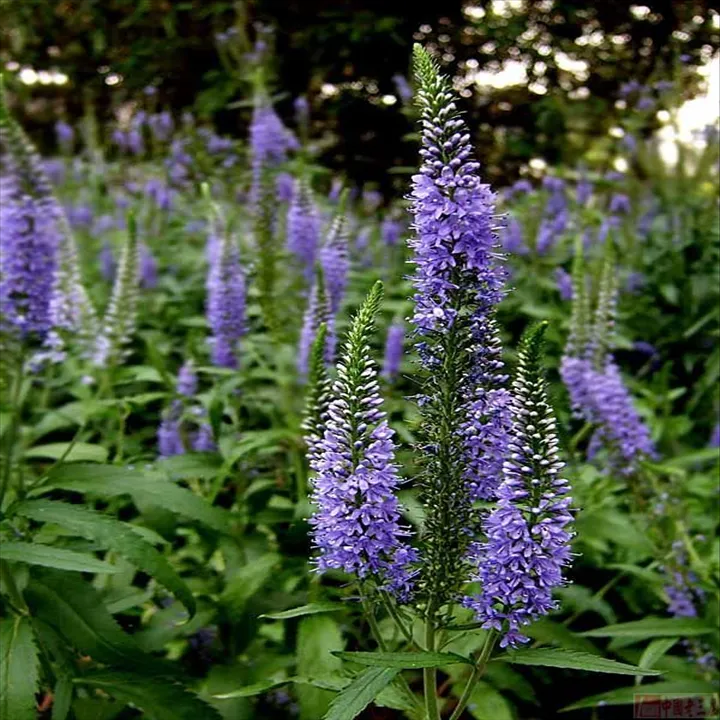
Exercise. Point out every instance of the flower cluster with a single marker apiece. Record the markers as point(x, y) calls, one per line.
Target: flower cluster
point(269, 141)
point(356, 527)
point(118, 324)
point(335, 259)
point(173, 426)
point(393, 350)
point(28, 251)
point(303, 227)
point(317, 313)
point(458, 282)
point(226, 302)
point(593, 380)
point(528, 535)
point(41, 290)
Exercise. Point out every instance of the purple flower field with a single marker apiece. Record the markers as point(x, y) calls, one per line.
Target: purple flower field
point(300, 431)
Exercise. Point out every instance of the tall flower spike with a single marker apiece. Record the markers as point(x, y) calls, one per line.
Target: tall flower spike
point(56, 267)
point(356, 527)
point(270, 142)
point(317, 395)
point(317, 313)
point(335, 257)
point(303, 227)
point(24, 162)
point(72, 315)
point(528, 534)
point(620, 428)
point(458, 281)
point(187, 380)
point(226, 302)
point(603, 325)
point(118, 325)
point(575, 365)
point(597, 392)
point(28, 246)
point(169, 435)
point(393, 351)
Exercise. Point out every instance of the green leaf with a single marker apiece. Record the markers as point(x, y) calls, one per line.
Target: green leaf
point(131, 597)
point(92, 709)
point(486, 703)
point(654, 627)
point(59, 558)
point(572, 660)
point(579, 599)
point(310, 609)
point(255, 689)
point(549, 632)
point(403, 660)
point(159, 699)
point(62, 697)
point(110, 481)
point(247, 581)
point(318, 636)
point(79, 452)
point(115, 535)
point(191, 465)
point(360, 693)
point(74, 609)
point(18, 669)
point(654, 651)
point(628, 695)
point(699, 457)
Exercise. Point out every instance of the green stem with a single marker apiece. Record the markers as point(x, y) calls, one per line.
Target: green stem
point(580, 436)
point(375, 629)
point(476, 674)
point(392, 611)
point(430, 674)
point(13, 593)
point(12, 430)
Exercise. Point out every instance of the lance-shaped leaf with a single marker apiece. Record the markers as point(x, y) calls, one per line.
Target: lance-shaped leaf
point(117, 536)
point(110, 481)
point(361, 692)
point(59, 558)
point(572, 660)
point(75, 610)
point(159, 699)
point(403, 660)
point(18, 669)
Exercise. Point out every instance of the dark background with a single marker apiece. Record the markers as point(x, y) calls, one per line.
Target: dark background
point(358, 45)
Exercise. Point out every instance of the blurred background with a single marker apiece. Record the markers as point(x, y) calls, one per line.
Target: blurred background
point(545, 83)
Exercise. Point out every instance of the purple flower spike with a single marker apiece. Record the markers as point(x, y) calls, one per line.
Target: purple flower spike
point(270, 142)
point(65, 136)
point(393, 351)
point(148, 268)
point(335, 261)
point(284, 185)
point(169, 437)
point(317, 312)
point(714, 441)
point(28, 257)
point(620, 426)
point(528, 535)
point(356, 527)
point(161, 126)
point(226, 303)
point(303, 228)
point(203, 440)
point(390, 231)
point(187, 381)
point(563, 280)
point(512, 238)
